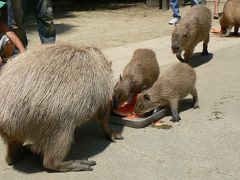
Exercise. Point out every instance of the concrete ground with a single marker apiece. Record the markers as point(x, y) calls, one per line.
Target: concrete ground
point(204, 145)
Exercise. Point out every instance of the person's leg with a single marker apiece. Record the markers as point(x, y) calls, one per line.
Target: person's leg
point(215, 10)
point(16, 19)
point(174, 4)
point(46, 27)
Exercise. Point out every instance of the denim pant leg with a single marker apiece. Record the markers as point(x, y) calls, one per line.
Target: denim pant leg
point(194, 2)
point(46, 27)
point(16, 19)
point(174, 4)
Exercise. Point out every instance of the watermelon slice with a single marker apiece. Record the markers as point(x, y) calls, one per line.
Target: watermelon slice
point(127, 109)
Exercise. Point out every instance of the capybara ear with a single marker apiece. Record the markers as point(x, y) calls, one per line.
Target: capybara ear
point(144, 88)
point(146, 97)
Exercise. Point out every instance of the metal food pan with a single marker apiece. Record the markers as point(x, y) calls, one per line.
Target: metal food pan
point(140, 122)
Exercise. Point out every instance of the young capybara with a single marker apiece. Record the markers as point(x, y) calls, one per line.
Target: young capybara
point(141, 71)
point(46, 93)
point(230, 17)
point(193, 28)
point(173, 85)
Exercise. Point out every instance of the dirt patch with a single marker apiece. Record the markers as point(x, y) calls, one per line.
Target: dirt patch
point(108, 25)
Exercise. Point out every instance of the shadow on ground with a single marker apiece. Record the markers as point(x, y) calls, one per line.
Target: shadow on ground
point(89, 140)
point(184, 105)
point(198, 59)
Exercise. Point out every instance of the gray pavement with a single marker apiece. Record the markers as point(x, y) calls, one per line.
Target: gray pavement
point(204, 145)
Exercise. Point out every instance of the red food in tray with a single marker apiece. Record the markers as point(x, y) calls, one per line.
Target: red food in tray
point(127, 109)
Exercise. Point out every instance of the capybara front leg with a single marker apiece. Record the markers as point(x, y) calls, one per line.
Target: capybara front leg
point(205, 46)
point(109, 133)
point(16, 152)
point(102, 115)
point(195, 98)
point(236, 28)
point(75, 165)
point(174, 110)
point(228, 31)
point(56, 149)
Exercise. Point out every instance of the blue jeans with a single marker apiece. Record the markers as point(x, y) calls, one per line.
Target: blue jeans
point(44, 17)
point(174, 4)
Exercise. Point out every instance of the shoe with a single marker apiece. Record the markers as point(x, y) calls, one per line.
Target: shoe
point(174, 21)
point(215, 16)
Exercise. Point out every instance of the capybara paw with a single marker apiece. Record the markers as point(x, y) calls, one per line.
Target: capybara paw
point(81, 167)
point(116, 136)
point(195, 106)
point(9, 161)
point(225, 35)
point(176, 119)
point(86, 162)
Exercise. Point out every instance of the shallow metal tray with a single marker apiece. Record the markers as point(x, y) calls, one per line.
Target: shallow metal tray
point(140, 122)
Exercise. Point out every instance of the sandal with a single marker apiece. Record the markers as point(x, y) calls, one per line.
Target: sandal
point(215, 16)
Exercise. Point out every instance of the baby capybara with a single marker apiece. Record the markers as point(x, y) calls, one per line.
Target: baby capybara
point(193, 28)
point(230, 17)
point(48, 92)
point(173, 85)
point(141, 71)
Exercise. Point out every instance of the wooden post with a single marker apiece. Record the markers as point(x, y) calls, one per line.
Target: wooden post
point(164, 4)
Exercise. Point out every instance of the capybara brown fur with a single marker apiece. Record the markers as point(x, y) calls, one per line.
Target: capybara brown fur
point(48, 92)
point(193, 28)
point(142, 71)
point(230, 17)
point(173, 85)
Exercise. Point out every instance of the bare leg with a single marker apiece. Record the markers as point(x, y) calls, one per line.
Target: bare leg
point(215, 15)
point(16, 152)
point(103, 117)
point(195, 98)
point(55, 151)
point(174, 110)
point(205, 46)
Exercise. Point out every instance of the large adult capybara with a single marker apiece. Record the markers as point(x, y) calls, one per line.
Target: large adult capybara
point(48, 92)
point(173, 85)
point(193, 28)
point(230, 17)
point(142, 71)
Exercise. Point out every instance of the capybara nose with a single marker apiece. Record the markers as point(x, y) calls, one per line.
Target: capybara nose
point(175, 48)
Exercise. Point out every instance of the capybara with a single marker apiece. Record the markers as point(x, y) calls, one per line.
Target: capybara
point(230, 17)
point(46, 93)
point(141, 71)
point(193, 28)
point(173, 85)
